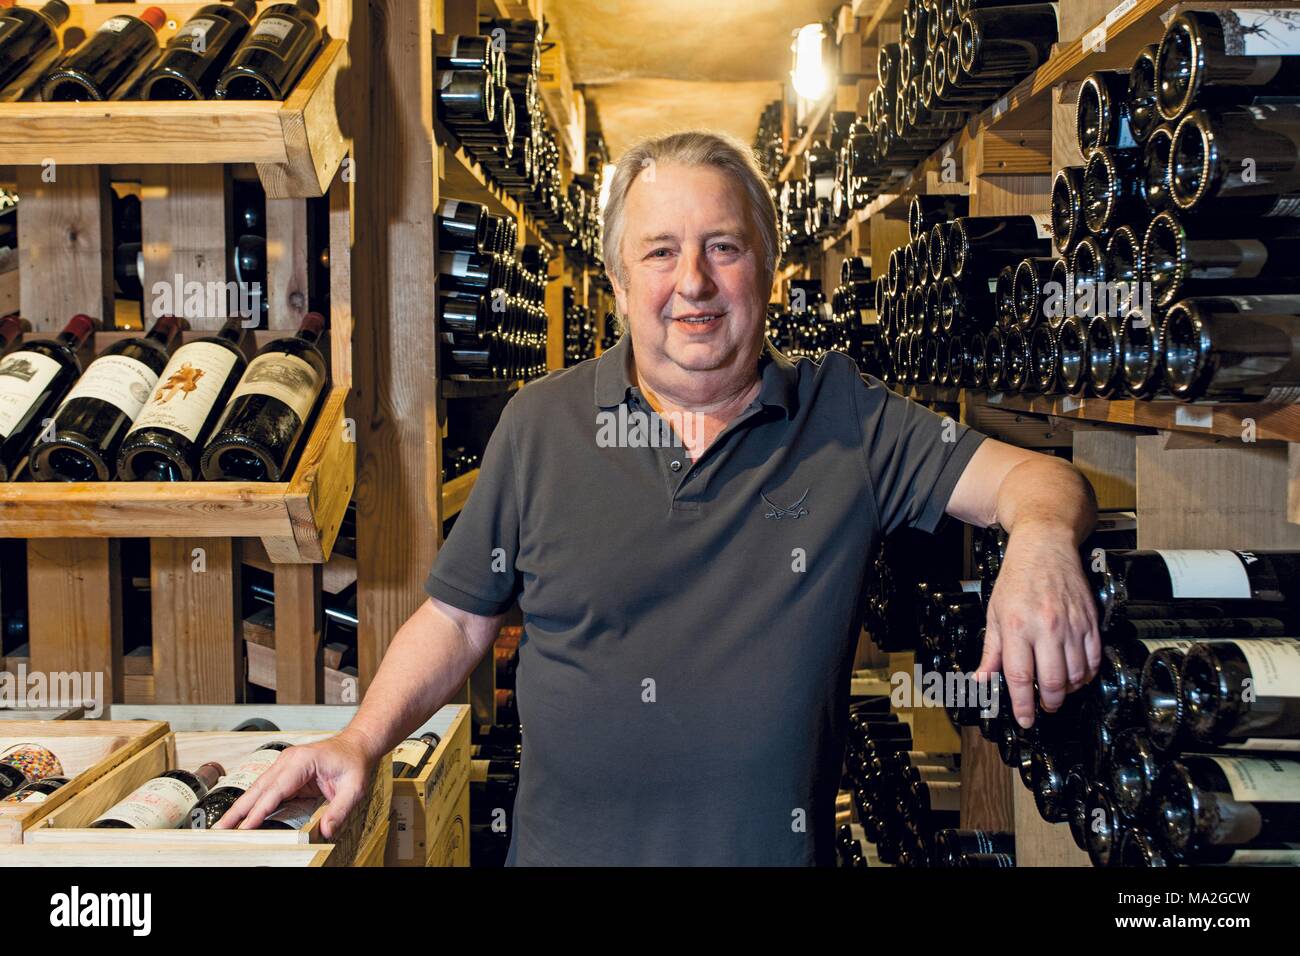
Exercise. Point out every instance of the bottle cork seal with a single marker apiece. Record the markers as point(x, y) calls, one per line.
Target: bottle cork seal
point(155, 17)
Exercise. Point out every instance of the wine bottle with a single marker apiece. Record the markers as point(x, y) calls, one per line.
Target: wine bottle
point(29, 45)
point(1067, 208)
point(1008, 41)
point(1077, 787)
point(1239, 162)
point(196, 55)
point(1015, 360)
point(22, 764)
point(37, 791)
point(266, 418)
point(1243, 694)
point(1217, 57)
point(1128, 642)
point(33, 381)
point(1043, 360)
point(1134, 766)
point(1104, 827)
point(222, 796)
point(1072, 355)
point(293, 814)
point(1031, 290)
point(1111, 188)
point(411, 755)
point(1228, 809)
point(91, 423)
point(1086, 279)
point(979, 243)
point(1233, 348)
point(462, 226)
point(275, 53)
point(1141, 364)
point(994, 360)
point(1138, 849)
point(107, 65)
point(926, 212)
point(168, 436)
point(1241, 582)
point(163, 803)
point(1156, 183)
point(1101, 116)
point(1144, 115)
point(255, 724)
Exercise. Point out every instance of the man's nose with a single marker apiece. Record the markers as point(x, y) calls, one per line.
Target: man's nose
point(694, 280)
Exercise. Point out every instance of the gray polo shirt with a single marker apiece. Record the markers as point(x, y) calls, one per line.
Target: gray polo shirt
point(689, 627)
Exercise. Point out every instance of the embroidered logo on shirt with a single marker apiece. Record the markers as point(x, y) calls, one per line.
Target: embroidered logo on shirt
point(796, 510)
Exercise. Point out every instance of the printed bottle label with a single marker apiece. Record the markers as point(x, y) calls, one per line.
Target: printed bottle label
point(1274, 666)
point(195, 33)
point(249, 769)
point(1206, 574)
point(23, 377)
point(1264, 32)
point(282, 376)
point(116, 24)
point(160, 804)
point(297, 813)
point(187, 390)
point(1261, 780)
point(124, 383)
point(411, 752)
point(274, 29)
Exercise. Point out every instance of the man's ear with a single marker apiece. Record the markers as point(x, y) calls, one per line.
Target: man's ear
point(620, 293)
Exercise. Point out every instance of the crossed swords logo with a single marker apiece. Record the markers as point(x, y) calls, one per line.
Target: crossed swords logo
point(796, 510)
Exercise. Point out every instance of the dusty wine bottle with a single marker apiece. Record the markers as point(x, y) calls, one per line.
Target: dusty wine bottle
point(107, 65)
point(162, 803)
point(266, 418)
point(167, 438)
point(91, 423)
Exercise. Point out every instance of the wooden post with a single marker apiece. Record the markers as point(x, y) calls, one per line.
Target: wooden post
point(299, 667)
point(74, 608)
point(183, 220)
point(197, 630)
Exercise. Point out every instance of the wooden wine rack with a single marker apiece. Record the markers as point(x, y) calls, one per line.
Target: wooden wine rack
point(1198, 476)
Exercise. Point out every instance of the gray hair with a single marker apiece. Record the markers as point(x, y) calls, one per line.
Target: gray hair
point(689, 148)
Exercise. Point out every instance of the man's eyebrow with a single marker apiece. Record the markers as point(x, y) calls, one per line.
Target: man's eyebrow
point(734, 233)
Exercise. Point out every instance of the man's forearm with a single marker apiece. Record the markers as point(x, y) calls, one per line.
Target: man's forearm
point(427, 662)
point(1047, 492)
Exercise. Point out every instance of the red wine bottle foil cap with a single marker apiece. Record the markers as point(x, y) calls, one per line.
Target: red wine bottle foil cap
point(167, 328)
point(210, 773)
point(81, 327)
point(33, 760)
point(11, 326)
point(155, 17)
point(312, 322)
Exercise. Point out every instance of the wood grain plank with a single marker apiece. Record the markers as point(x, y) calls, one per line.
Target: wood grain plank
point(298, 626)
point(197, 630)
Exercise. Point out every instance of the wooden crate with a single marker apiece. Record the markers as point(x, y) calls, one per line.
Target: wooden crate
point(89, 750)
point(174, 853)
point(68, 825)
point(422, 807)
point(451, 847)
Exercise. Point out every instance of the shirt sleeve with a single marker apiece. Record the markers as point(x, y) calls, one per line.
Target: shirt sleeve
point(913, 456)
point(475, 568)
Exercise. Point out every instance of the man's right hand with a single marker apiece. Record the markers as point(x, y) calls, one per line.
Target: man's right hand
point(338, 769)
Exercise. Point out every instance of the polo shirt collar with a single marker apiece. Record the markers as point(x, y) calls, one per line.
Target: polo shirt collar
point(779, 376)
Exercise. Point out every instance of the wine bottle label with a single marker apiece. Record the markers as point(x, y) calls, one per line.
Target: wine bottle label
point(249, 769)
point(27, 796)
point(1274, 666)
point(1282, 395)
point(1266, 857)
point(1286, 207)
point(1260, 32)
point(273, 29)
point(282, 376)
point(1043, 224)
point(23, 377)
point(410, 752)
point(457, 264)
point(196, 30)
point(123, 382)
point(1206, 574)
point(1184, 644)
point(449, 208)
point(160, 804)
point(974, 587)
point(1285, 744)
point(187, 390)
point(297, 813)
point(116, 24)
point(1261, 780)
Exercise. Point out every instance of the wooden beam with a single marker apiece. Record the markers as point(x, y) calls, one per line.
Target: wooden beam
point(74, 608)
point(183, 220)
point(299, 667)
point(197, 626)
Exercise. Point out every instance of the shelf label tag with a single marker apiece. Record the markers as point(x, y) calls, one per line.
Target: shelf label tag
point(1189, 417)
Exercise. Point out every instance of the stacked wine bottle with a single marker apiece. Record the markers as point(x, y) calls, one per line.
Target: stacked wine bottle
point(579, 330)
point(491, 314)
point(809, 326)
point(147, 410)
point(224, 51)
point(488, 96)
point(954, 57)
point(1175, 242)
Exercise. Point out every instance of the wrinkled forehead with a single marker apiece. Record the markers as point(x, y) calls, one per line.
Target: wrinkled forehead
point(668, 200)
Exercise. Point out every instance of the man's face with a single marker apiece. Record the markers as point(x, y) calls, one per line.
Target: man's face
point(695, 299)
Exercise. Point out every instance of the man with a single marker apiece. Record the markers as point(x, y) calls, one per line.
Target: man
point(691, 609)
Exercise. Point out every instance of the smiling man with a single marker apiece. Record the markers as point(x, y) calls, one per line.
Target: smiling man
point(691, 608)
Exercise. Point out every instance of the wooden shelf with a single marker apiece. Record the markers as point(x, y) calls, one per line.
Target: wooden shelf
point(460, 176)
point(456, 492)
point(1272, 422)
point(297, 144)
point(297, 520)
point(476, 388)
point(815, 119)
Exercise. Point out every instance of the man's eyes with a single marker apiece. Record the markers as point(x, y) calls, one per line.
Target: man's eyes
point(724, 247)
